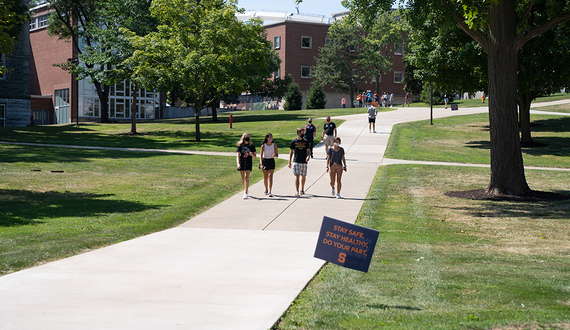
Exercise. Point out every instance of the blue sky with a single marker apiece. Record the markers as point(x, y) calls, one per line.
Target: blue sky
point(317, 7)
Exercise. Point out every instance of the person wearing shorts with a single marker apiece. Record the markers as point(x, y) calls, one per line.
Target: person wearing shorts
point(329, 133)
point(244, 158)
point(336, 163)
point(268, 153)
point(372, 112)
point(299, 155)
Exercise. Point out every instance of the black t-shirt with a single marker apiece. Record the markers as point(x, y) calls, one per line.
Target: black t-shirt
point(329, 128)
point(300, 147)
point(246, 154)
point(310, 132)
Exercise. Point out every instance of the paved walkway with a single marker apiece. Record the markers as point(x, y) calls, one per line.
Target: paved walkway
point(238, 265)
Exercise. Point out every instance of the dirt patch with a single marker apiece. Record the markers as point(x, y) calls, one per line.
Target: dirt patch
point(533, 196)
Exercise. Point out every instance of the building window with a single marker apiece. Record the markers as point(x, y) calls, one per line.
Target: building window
point(398, 49)
point(305, 72)
point(277, 74)
point(377, 79)
point(327, 40)
point(306, 42)
point(398, 77)
point(43, 21)
point(2, 67)
point(39, 22)
point(2, 114)
point(353, 48)
point(277, 42)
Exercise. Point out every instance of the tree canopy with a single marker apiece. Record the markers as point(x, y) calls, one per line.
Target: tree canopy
point(13, 14)
point(200, 46)
point(501, 28)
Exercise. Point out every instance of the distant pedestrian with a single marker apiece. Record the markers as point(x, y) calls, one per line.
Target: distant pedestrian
point(329, 133)
point(268, 154)
point(446, 99)
point(372, 112)
point(336, 163)
point(391, 98)
point(407, 99)
point(245, 154)
point(310, 133)
point(298, 159)
point(343, 102)
point(359, 99)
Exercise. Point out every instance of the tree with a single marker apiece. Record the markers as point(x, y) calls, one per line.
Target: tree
point(316, 98)
point(199, 47)
point(293, 98)
point(13, 14)
point(378, 43)
point(501, 28)
point(337, 62)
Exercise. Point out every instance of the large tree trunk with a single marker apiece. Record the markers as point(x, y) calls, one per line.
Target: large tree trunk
point(507, 169)
point(103, 93)
point(524, 111)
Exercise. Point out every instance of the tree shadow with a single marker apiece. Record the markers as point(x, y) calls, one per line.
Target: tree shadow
point(538, 205)
point(23, 207)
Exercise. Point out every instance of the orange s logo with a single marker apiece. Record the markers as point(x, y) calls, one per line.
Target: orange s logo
point(342, 258)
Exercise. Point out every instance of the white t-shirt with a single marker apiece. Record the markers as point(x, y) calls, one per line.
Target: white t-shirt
point(268, 151)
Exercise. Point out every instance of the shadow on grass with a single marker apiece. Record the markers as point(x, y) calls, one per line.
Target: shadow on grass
point(22, 207)
point(555, 209)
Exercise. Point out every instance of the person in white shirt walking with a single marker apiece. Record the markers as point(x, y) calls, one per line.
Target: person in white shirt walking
point(372, 118)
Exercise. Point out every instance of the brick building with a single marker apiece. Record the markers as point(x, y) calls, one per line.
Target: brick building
point(297, 38)
point(58, 98)
point(15, 84)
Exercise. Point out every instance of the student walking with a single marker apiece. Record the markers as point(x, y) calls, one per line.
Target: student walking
point(336, 163)
point(245, 154)
point(310, 133)
point(407, 99)
point(372, 112)
point(268, 154)
point(329, 133)
point(300, 150)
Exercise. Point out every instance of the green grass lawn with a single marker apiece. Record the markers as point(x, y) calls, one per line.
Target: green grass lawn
point(449, 263)
point(465, 139)
point(477, 102)
point(179, 134)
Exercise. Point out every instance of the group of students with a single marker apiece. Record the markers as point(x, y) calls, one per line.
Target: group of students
point(366, 99)
point(300, 152)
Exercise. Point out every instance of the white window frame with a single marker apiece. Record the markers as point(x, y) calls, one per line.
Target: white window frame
point(33, 23)
point(277, 74)
point(399, 74)
point(43, 21)
point(277, 42)
point(310, 42)
point(304, 67)
point(2, 114)
point(379, 78)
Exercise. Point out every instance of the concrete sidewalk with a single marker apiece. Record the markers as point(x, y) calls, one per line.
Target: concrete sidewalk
point(238, 265)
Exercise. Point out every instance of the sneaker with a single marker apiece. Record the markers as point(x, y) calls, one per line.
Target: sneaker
point(337, 195)
point(296, 194)
point(270, 195)
point(266, 193)
point(302, 192)
point(244, 196)
point(374, 131)
point(332, 191)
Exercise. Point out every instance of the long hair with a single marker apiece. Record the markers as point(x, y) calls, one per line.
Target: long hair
point(266, 136)
point(242, 142)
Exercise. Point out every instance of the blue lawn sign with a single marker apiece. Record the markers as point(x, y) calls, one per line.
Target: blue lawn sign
point(345, 244)
point(454, 107)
